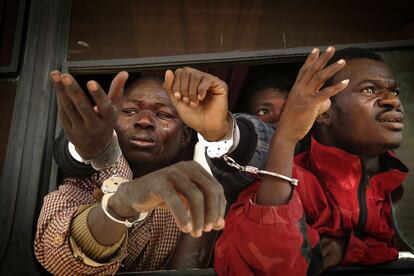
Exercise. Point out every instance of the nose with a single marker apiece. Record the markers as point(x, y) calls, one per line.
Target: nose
point(145, 120)
point(388, 99)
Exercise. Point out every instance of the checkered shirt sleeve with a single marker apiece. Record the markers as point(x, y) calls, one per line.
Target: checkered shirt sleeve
point(149, 243)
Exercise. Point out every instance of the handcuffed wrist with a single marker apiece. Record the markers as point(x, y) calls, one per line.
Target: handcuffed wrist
point(128, 222)
point(224, 146)
point(108, 157)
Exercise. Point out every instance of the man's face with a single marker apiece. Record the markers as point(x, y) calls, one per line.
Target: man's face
point(149, 129)
point(267, 105)
point(367, 117)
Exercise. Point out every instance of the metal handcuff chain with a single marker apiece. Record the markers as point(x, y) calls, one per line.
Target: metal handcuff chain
point(255, 171)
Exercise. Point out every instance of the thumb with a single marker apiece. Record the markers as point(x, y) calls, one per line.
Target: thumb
point(116, 90)
point(168, 86)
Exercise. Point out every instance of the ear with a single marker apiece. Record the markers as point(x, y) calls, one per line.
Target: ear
point(324, 118)
point(186, 138)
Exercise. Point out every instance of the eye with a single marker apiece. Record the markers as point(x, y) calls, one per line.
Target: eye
point(129, 111)
point(396, 92)
point(262, 112)
point(164, 115)
point(370, 90)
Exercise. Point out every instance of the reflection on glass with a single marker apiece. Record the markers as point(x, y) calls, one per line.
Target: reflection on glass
point(401, 63)
point(104, 29)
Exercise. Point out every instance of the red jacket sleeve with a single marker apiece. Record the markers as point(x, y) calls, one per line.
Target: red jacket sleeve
point(264, 240)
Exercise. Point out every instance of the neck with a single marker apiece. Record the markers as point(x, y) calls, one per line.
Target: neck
point(371, 164)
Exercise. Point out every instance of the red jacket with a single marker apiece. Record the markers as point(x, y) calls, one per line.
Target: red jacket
point(337, 198)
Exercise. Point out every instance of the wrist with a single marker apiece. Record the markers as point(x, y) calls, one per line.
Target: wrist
point(283, 142)
point(119, 204)
point(218, 134)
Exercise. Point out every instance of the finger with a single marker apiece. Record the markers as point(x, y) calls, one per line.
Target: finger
point(324, 58)
point(195, 201)
point(78, 97)
point(321, 77)
point(169, 87)
point(177, 209)
point(214, 199)
point(177, 84)
point(103, 103)
point(219, 223)
point(318, 65)
point(332, 90)
point(68, 114)
point(193, 89)
point(310, 60)
point(203, 87)
point(184, 85)
point(116, 89)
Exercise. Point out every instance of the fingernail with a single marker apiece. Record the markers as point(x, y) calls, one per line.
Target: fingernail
point(186, 100)
point(220, 222)
point(330, 48)
point(187, 228)
point(193, 104)
point(314, 50)
point(177, 95)
point(66, 80)
point(208, 227)
point(198, 232)
point(92, 86)
point(341, 61)
point(345, 81)
point(54, 76)
point(199, 97)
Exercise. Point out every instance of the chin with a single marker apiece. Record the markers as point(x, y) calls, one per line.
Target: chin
point(391, 145)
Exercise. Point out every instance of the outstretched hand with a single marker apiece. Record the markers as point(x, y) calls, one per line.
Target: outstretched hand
point(188, 191)
point(306, 100)
point(200, 99)
point(88, 127)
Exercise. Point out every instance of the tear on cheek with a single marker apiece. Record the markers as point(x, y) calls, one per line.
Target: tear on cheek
point(165, 129)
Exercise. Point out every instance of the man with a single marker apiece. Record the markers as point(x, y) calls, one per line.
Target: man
point(345, 179)
point(266, 97)
point(138, 222)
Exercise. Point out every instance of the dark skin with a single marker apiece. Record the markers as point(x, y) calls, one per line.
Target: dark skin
point(305, 102)
point(365, 119)
point(267, 104)
point(148, 129)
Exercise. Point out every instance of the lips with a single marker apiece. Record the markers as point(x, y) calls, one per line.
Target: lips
point(392, 120)
point(142, 141)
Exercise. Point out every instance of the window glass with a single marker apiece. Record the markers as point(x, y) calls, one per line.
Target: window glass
point(104, 29)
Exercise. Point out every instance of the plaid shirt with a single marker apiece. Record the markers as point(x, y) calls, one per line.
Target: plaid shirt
point(149, 243)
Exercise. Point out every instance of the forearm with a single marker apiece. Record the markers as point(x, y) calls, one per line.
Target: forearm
point(105, 231)
point(273, 190)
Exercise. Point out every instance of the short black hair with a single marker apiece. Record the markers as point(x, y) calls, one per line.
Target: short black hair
point(136, 78)
point(351, 53)
point(276, 81)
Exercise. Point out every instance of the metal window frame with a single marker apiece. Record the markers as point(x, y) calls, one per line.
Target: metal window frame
point(215, 59)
